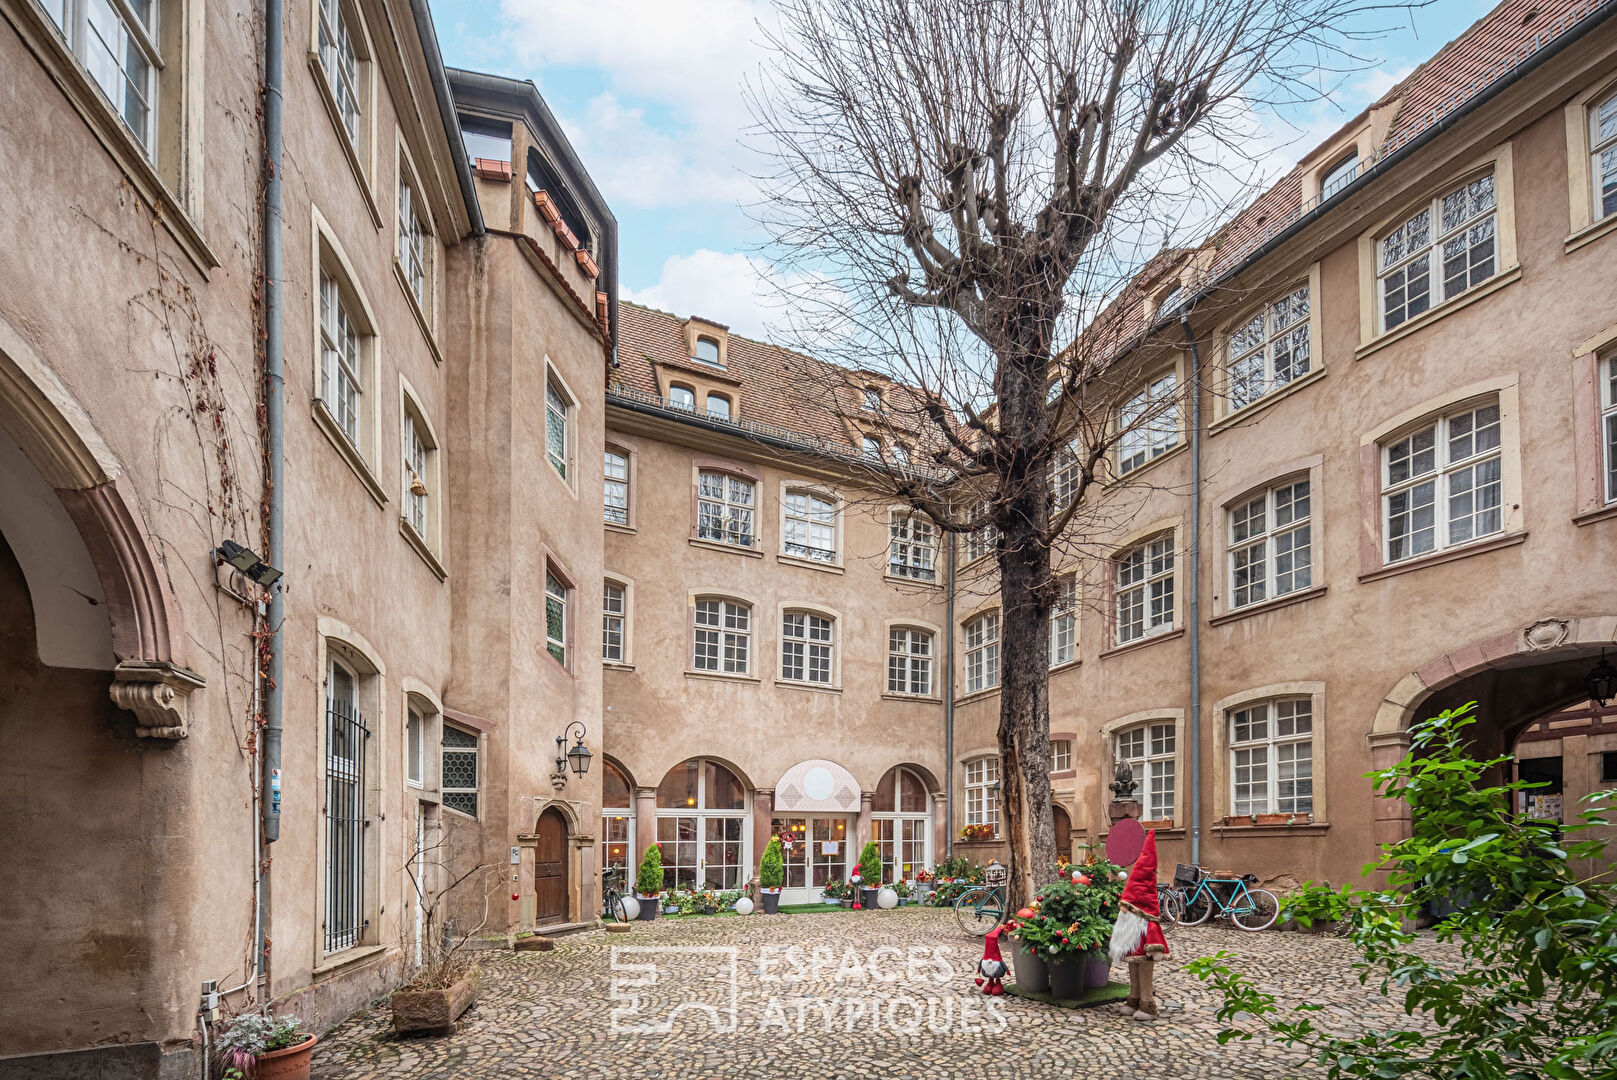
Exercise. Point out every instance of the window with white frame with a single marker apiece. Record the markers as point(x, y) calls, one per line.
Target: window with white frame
point(1149, 750)
point(417, 450)
point(870, 447)
point(724, 508)
point(1065, 475)
point(1270, 349)
point(558, 415)
point(982, 652)
point(911, 547)
point(718, 406)
point(1148, 424)
point(415, 245)
point(909, 661)
point(1440, 484)
point(1271, 544)
point(1603, 141)
point(556, 598)
point(1064, 621)
point(117, 42)
point(1061, 755)
point(341, 361)
point(459, 769)
point(1145, 590)
point(614, 622)
point(340, 62)
point(707, 351)
point(901, 823)
point(1608, 421)
point(616, 489)
point(347, 739)
point(980, 543)
point(722, 637)
point(811, 527)
point(1272, 757)
point(982, 792)
point(872, 401)
point(1443, 249)
point(1339, 176)
point(415, 745)
point(682, 397)
point(806, 646)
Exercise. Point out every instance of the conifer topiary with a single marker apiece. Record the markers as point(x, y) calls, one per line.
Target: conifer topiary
point(771, 871)
point(870, 866)
point(650, 880)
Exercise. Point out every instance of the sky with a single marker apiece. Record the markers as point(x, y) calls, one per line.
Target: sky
point(650, 95)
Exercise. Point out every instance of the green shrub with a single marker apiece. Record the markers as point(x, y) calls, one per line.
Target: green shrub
point(870, 866)
point(771, 871)
point(649, 882)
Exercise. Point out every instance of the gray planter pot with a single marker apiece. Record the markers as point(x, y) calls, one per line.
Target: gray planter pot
point(1067, 978)
point(649, 906)
point(1032, 973)
point(867, 897)
point(771, 901)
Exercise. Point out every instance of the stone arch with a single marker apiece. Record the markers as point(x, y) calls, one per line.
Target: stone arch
point(567, 810)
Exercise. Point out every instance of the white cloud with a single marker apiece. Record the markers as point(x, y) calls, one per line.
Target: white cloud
point(637, 164)
point(741, 291)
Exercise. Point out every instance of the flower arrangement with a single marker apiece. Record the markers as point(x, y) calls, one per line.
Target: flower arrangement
point(977, 832)
point(835, 889)
point(923, 876)
point(252, 1035)
point(902, 888)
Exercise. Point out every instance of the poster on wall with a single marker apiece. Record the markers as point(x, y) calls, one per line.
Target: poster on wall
point(830, 847)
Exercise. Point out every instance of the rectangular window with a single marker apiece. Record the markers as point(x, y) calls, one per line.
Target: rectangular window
point(556, 441)
point(910, 548)
point(1603, 139)
point(341, 385)
point(982, 652)
point(415, 476)
point(723, 637)
point(116, 40)
point(1061, 755)
point(1150, 751)
point(805, 648)
point(341, 65)
point(616, 492)
point(414, 745)
point(346, 738)
point(413, 244)
point(982, 542)
point(1271, 545)
point(1441, 483)
point(614, 613)
point(1065, 476)
point(556, 618)
point(1145, 588)
point(1271, 758)
point(982, 792)
point(1608, 422)
point(1064, 622)
point(909, 661)
point(1148, 424)
point(811, 527)
point(1439, 252)
point(460, 769)
point(1270, 349)
point(724, 508)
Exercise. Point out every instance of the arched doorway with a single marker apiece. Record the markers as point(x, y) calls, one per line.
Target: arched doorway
point(1063, 822)
point(701, 826)
point(816, 815)
point(901, 820)
point(550, 885)
point(617, 824)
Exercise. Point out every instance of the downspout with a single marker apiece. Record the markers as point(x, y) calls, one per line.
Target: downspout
point(948, 700)
point(274, 431)
point(1195, 613)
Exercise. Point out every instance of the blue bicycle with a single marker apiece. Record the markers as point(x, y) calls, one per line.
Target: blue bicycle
point(1249, 908)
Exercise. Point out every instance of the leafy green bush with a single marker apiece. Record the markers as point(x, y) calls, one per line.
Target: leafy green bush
point(649, 882)
point(771, 871)
point(1314, 906)
point(1536, 992)
point(870, 866)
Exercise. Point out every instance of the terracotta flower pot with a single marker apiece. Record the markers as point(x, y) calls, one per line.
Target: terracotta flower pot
point(1274, 819)
point(289, 1064)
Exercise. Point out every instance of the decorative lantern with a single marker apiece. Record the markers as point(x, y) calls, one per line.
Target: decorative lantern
point(1602, 681)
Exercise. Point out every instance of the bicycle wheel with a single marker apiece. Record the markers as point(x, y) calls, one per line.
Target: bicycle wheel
point(617, 908)
point(1171, 903)
point(1257, 911)
point(1197, 909)
point(979, 910)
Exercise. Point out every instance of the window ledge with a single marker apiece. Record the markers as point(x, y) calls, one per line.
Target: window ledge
point(1066, 665)
point(1064, 774)
point(1272, 604)
point(813, 688)
point(1170, 832)
point(1249, 411)
point(961, 842)
point(1447, 307)
point(415, 309)
point(977, 695)
point(809, 564)
point(1123, 478)
point(349, 151)
point(1143, 642)
point(1590, 233)
point(914, 583)
point(346, 959)
point(720, 676)
point(1602, 513)
point(733, 549)
point(1476, 547)
point(627, 530)
point(356, 461)
point(615, 665)
point(924, 699)
point(1310, 828)
point(420, 545)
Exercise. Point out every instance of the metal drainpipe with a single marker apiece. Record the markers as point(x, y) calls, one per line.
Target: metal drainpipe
point(948, 701)
point(1195, 592)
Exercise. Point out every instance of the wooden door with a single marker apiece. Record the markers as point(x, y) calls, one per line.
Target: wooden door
point(1063, 832)
point(550, 869)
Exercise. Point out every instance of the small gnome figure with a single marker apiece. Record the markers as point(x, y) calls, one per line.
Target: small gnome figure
point(853, 883)
point(991, 969)
point(1137, 938)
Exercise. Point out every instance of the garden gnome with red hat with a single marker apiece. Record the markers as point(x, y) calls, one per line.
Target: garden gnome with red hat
point(1137, 937)
point(991, 969)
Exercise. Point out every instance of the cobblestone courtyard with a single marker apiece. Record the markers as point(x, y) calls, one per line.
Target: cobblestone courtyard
point(553, 1014)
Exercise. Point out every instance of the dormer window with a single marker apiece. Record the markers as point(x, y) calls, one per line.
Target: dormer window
point(1170, 301)
point(486, 139)
point(707, 351)
point(872, 399)
point(718, 406)
point(682, 397)
point(870, 446)
point(1339, 176)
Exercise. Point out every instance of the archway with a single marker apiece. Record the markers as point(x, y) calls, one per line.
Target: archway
point(1063, 822)
point(901, 820)
point(550, 868)
point(701, 826)
point(617, 823)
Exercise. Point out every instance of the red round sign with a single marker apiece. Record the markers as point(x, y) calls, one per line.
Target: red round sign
point(1124, 842)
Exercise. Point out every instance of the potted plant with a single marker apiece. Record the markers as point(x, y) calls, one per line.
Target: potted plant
point(771, 873)
point(923, 884)
point(869, 874)
point(447, 981)
point(834, 892)
point(648, 884)
point(902, 888)
point(266, 1047)
point(1032, 936)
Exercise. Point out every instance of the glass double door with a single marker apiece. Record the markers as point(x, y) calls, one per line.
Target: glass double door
point(818, 852)
point(702, 851)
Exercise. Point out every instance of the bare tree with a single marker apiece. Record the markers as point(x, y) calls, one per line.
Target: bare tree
point(976, 198)
point(437, 867)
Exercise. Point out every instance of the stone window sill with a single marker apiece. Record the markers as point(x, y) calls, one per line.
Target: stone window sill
point(925, 699)
point(914, 583)
point(1311, 828)
point(350, 453)
point(977, 695)
point(1139, 470)
point(627, 530)
point(1274, 604)
point(1602, 513)
point(1432, 314)
point(1590, 233)
point(733, 549)
point(719, 676)
point(1249, 411)
point(349, 151)
point(421, 549)
point(415, 309)
point(813, 688)
point(1464, 551)
point(346, 959)
point(1066, 665)
point(1143, 643)
point(614, 665)
point(809, 564)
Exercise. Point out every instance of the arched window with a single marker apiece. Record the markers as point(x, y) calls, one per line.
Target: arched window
point(982, 792)
point(1272, 757)
point(1603, 141)
point(810, 530)
point(718, 406)
point(701, 819)
point(902, 822)
point(707, 350)
point(617, 821)
point(721, 636)
point(1339, 176)
point(982, 652)
point(808, 648)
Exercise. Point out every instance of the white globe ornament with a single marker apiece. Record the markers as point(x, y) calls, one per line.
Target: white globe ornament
point(744, 906)
point(631, 909)
point(886, 898)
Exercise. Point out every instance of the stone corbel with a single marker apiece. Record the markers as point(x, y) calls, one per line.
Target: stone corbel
point(158, 693)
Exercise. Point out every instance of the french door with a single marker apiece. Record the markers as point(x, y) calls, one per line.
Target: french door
point(702, 851)
point(818, 852)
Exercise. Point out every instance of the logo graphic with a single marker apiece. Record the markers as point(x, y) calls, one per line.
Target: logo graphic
point(653, 984)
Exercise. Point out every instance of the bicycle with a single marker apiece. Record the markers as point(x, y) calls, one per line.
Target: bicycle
point(612, 905)
point(1170, 906)
point(1248, 908)
point(982, 907)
